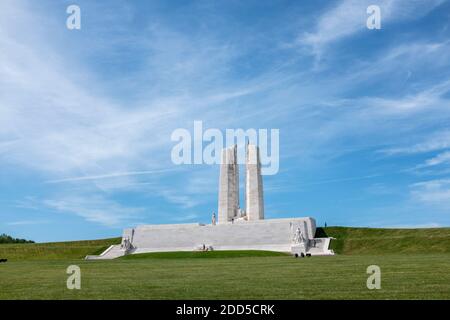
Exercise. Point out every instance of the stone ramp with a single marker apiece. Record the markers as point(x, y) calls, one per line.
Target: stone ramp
point(112, 252)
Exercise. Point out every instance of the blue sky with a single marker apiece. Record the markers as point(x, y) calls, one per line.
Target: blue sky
point(86, 115)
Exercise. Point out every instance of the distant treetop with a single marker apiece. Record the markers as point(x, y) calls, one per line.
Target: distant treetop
point(4, 238)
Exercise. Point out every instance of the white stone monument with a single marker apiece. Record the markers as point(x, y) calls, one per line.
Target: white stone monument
point(236, 229)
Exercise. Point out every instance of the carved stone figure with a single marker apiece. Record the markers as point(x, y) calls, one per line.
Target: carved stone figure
point(126, 244)
point(298, 237)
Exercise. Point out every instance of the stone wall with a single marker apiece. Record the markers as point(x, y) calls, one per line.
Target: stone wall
point(272, 234)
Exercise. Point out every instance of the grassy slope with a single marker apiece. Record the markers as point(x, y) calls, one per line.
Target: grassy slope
point(351, 241)
point(55, 250)
point(388, 241)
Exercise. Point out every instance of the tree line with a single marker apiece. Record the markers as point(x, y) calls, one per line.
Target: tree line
point(4, 238)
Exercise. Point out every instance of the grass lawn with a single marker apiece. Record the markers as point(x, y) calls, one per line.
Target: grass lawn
point(55, 250)
point(419, 276)
point(415, 264)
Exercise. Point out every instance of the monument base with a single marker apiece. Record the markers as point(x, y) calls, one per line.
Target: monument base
point(269, 234)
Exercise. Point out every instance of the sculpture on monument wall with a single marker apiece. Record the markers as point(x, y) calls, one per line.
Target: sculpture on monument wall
point(126, 244)
point(298, 237)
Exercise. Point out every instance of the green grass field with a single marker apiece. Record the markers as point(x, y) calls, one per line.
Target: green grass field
point(388, 241)
point(55, 250)
point(410, 269)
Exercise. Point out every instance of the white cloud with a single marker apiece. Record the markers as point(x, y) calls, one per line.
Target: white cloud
point(111, 175)
point(58, 116)
point(95, 209)
point(26, 222)
point(187, 217)
point(342, 20)
point(433, 192)
point(349, 17)
point(172, 195)
point(439, 159)
point(436, 141)
point(56, 119)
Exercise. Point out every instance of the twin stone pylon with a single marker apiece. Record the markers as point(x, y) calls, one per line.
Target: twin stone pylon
point(254, 199)
point(228, 185)
point(229, 209)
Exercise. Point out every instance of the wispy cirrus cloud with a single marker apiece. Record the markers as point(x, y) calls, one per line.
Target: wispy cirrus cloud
point(111, 175)
point(433, 192)
point(91, 112)
point(429, 99)
point(348, 17)
point(435, 141)
point(439, 159)
point(26, 222)
point(95, 209)
point(188, 217)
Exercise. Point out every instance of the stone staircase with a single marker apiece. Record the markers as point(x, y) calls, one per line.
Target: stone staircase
point(112, 252)
point(320, 247)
